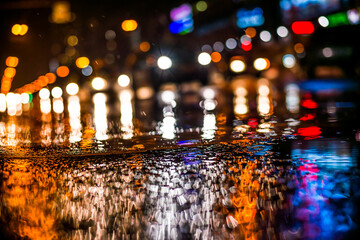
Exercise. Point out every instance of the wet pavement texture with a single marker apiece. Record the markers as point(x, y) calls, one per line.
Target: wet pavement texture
point(87, 176)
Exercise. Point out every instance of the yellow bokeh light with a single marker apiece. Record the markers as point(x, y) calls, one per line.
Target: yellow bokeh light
point(72, 40)
point(12, 61)
point(82, 62)
point(61, 12)
point(129, 25)
point(9, 72)
point(16, 29)
point(144, 46)
point(24, 29)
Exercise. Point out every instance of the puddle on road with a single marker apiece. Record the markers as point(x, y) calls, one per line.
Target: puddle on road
point(245, 188)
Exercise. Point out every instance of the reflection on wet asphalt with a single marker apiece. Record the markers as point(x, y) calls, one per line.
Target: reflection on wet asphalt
point(239, 189)
point(76, 172)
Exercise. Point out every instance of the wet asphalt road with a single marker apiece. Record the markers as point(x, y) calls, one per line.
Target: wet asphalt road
point(87, 176)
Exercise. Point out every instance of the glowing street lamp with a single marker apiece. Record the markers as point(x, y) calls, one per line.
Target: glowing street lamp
point(164, 62)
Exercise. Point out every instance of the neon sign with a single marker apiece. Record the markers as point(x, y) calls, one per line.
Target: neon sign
point(250, 18)
point(182, 21)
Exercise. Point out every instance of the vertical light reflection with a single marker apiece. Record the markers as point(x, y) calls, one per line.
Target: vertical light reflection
point(126, 110)
point(240, 101)
point(58, 105)
point(29, 200)
point(292, 98)
point(45, 106)
point(45, 132)
point(264, 99)
point(59, 127)
point(74, 118)
point(11, 104)
point(168, 124)
point(322, 202)
point(2, 133)
point(100, 116)
point(209, 126)
point(18, 104)
point(11, 138)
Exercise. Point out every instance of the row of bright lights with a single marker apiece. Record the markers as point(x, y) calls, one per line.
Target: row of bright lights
point(97, 83)
point(236, 65)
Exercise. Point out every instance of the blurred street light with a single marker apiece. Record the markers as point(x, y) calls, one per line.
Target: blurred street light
point(237, 66)
point(72, 89)
point(164, 62)
point(98, 83)
point(18, 29)
point(129, 25)
point(204, 58)
point(123, 80)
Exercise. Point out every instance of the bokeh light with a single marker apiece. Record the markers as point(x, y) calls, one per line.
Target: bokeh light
point(299, 48)
point(144, 46)
point(201, 6)
point(44, 93)
point(82, 62)
point(215, 57)
point(58, 106)
point(323, 21)
point(231, 43)
point(98, 83)
point(110, 35)
point(204, 58)
point(9, 72)
point(209, 93)
point(288, 61)
point(245, 38)
point(11, 61)
point(72, 40)
point(206, 48)
point(164, 62)
point(72, 88)
point(25, 98)
point(18, 29)
point(282, 31)
point(62, 71)
point(24, 29)
point(261, 64)
point(45, 106)
point(144, 92)
point(129, 25)
point(167, 96)
point(237, 65)
point(251, 32)
point(246, 45)
point(56, 92)
point(51, 77)
point(87, 71)
point(265, 36)
point(327, 52)
point(218, 46)
point(123, 80)
point(209, 104)
point(263, 90)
